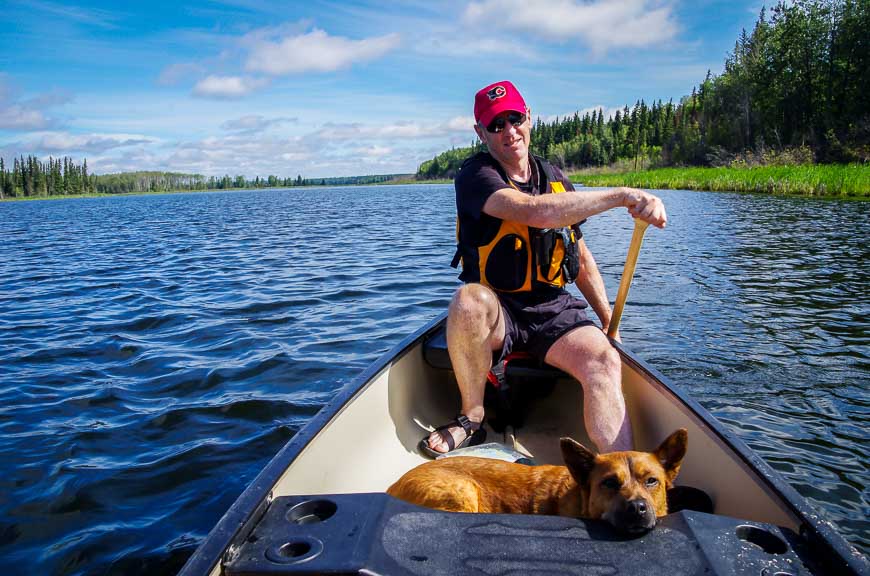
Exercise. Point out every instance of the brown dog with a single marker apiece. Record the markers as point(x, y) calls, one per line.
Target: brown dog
point(627, 489)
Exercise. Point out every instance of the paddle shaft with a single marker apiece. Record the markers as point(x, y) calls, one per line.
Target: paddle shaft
point(627, 274)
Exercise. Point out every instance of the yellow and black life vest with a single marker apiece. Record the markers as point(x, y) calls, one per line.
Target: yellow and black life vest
point(514, 257)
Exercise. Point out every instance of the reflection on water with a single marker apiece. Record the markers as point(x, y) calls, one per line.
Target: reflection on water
point(158, 350)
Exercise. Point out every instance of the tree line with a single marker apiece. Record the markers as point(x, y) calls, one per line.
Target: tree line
point(799, 83)
point(31, 177)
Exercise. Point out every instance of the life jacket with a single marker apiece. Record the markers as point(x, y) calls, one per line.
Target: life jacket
point(514, 257)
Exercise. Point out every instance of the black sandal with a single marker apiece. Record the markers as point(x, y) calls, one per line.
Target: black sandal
point(474, 435)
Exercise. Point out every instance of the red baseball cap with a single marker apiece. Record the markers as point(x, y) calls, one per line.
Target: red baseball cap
point(496, 98)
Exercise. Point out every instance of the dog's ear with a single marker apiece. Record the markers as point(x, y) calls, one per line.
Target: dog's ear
point(671, 453)
point(579, 459)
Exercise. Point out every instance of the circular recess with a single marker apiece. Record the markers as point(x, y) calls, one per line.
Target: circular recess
point(294, 551)
point(767, 541)
point(312, 512)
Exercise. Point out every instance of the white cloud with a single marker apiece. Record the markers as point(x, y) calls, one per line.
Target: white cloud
point(178, 73)
point(315, 51)
point(89, 16)
point(394, 131)
point(64, 142)
point(17, 117)
point(460, 124)
point(248, 147)
point(461, 43)
point(254, 123)
point(601, 24)
point(27, 115)
point(90, 146)
point(375, 151)
point(227, 87)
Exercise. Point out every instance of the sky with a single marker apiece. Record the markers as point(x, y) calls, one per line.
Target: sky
point(328, 88)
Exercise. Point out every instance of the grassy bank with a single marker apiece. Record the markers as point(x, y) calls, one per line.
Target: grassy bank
point(413, 180)
point(851, 180)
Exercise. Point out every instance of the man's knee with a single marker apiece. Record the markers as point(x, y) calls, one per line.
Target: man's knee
point(595, 363)
point(610, 359)
point(474, 303)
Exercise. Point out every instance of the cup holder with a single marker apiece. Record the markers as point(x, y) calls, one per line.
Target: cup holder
point(312, 512)
point(767, 541)
point(296, 550)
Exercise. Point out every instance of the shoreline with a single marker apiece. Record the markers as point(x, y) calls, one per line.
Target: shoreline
point(832, 181)
point(205, 191)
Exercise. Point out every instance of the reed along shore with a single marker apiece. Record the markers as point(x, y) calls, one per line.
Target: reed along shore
point(828, 180)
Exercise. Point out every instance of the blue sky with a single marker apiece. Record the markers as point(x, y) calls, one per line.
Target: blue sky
point(327, 88)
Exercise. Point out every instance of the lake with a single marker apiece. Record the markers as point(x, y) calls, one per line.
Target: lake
point(157, 351)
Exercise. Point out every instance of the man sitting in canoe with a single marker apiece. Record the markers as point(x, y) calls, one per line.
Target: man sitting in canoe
point(520, 244)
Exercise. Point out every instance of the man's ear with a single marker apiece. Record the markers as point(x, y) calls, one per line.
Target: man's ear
point(579, 459)
point(671, 453)
point(479, 131)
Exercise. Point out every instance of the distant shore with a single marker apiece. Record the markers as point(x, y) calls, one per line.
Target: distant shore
point(818, 180)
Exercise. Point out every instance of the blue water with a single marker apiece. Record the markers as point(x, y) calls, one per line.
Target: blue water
point(156, 351)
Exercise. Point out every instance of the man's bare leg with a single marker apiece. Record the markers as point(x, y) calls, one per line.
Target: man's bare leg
point(586, 354)
point(475, 327)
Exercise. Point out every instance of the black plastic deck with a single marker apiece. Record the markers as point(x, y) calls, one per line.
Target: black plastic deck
point(378, 534)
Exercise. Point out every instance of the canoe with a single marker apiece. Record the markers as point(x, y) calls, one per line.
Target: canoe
point(319, 506)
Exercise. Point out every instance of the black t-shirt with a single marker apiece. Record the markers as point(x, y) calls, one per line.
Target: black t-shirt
point(479, 178)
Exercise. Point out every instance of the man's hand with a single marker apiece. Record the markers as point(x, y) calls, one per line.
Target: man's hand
point(645, 206)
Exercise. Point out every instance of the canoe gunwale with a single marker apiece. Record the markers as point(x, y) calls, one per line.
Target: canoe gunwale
point(251, 505)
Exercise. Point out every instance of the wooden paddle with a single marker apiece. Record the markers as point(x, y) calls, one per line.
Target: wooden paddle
point(627, 274)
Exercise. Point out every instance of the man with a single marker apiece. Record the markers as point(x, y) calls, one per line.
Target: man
point(518, 228)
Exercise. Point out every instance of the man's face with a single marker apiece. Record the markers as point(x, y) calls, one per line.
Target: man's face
point(511, 145)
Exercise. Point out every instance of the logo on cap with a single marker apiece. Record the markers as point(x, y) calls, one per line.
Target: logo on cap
point(496, 93)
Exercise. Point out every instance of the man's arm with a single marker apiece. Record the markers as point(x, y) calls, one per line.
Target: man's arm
point(591, 285)
point(557, 210)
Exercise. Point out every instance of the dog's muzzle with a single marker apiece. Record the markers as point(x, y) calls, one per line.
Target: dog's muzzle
point(635, 516)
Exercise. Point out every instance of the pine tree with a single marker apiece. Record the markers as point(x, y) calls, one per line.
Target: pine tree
point(85, 181)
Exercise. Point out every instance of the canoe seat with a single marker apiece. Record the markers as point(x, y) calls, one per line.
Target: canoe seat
point(435, 354)
point(525, 379)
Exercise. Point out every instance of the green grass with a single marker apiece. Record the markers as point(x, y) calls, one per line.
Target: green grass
point(413, 180)
point(830, 180)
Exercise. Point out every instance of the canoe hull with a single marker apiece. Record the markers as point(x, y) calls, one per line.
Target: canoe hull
point(367, 437)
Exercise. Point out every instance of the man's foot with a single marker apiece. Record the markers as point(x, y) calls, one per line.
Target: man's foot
point(459, 433)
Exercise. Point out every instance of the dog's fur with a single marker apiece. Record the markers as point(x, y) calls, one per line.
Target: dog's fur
point(627, 489)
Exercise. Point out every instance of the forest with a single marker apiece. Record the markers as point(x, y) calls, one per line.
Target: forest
point(794, 90)
point(30, 177)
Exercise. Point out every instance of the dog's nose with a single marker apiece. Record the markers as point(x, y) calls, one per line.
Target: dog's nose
point(638, 507)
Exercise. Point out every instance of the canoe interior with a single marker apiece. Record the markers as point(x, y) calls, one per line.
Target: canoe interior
point(294, 517)
point(373, 440)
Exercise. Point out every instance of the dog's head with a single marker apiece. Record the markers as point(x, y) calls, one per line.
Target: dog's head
point(627, 489)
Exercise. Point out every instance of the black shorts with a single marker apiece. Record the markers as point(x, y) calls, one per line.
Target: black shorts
point(533, 322)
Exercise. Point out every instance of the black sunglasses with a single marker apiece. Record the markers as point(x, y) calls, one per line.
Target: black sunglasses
point(497, 125)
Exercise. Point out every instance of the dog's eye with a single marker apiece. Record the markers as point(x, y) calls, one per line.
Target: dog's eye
point(652, 482)
point(611, 483)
